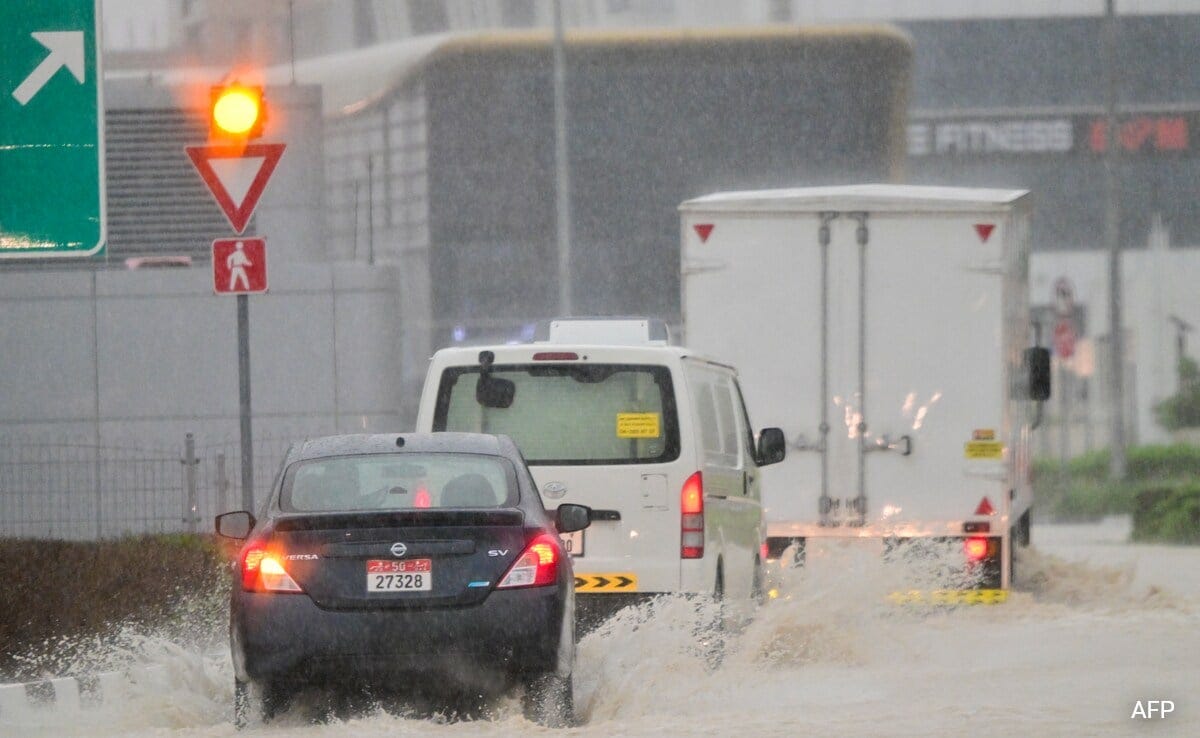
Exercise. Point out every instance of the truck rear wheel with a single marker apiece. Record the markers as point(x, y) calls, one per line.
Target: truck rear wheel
point(758, 590)
point(1021, 531)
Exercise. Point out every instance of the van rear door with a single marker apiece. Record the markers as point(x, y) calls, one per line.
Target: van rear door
point(595, 433)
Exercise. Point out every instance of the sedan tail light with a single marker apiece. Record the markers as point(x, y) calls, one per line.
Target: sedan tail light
point(262, 571)
point(537, 566)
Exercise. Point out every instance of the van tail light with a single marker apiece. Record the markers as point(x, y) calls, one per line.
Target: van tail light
point(691, 518)
point(975, 549)
point(262, 571)
point(537, 566)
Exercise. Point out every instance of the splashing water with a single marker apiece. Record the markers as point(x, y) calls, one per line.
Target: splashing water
point(1075, 645)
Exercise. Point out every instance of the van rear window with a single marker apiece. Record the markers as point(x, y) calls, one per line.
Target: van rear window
point(568, 414)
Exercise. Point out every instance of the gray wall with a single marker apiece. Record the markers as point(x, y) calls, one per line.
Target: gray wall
point(158, 204)
point(104, 370)
point(134, 357)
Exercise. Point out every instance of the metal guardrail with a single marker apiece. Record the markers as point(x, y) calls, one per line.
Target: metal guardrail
point(68, 490)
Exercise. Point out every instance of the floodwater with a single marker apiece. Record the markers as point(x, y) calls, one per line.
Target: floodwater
point(1097, 625)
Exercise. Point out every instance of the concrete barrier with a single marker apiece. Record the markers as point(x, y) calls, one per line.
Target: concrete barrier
point(76, 693)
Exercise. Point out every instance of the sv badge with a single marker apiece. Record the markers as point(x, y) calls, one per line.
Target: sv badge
point(498, 552)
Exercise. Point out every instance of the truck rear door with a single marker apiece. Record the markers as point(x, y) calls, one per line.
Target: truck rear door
point(936, 369)
point(876, 344)
point(770, 329)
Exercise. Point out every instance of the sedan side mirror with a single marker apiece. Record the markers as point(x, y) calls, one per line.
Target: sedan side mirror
point(772, 446)
point(570, 518)
point(235, 524)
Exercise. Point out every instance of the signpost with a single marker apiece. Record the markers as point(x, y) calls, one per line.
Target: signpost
point(236, 176)
point(51, 130)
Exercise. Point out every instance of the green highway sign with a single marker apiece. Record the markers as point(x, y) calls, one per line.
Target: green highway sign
point(51, 130)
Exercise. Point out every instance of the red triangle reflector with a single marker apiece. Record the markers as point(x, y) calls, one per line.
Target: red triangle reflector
point(985, 507)
point(984, 230)
point(702, 230)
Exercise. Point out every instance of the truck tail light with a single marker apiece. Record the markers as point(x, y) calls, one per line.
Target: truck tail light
point(691, 518)
point(262, 571)
point(975, 549)
point(536, 567)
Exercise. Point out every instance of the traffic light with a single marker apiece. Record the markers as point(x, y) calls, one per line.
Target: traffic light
point(236, 112)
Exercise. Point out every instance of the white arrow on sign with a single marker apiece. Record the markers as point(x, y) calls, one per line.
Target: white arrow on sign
point(66, 50)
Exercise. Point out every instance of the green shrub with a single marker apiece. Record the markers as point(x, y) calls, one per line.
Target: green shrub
point(1182, 410)
point(71, 589)
point(1168, 514)
point(1083, 490)
point(1145, 463)
point(1095, 500)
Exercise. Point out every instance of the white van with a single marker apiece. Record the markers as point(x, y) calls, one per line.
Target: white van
point(655, 439)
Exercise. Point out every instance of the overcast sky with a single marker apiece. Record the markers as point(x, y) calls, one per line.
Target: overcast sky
point(136, 24)
point(144, 24)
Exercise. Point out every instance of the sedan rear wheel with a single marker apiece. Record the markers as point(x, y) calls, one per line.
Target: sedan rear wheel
point(241, 703)
point(261, 701)
point(549, 700)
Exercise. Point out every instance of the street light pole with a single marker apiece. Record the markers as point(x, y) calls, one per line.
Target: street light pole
point(1112, 242)
point(562, 173)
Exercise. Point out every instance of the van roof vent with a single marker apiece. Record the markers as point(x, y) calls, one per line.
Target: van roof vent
point(604, 331)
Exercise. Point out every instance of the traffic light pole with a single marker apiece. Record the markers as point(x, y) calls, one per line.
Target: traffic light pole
point(243, 339)
point(237, 114)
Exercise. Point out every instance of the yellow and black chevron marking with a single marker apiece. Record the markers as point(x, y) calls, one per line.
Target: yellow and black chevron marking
point(619, 582)
point(950, 597)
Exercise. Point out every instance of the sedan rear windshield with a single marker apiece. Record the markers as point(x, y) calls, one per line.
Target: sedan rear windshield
point(569, 414)
point(398, 482)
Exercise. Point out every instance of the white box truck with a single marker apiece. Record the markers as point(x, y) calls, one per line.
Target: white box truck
point(886, 329)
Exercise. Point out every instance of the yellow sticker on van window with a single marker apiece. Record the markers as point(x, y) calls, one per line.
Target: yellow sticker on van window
point(983, 450)
point(637, 425)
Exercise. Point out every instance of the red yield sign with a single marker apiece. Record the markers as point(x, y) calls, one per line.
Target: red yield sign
point(239, 266)
point(236, 176)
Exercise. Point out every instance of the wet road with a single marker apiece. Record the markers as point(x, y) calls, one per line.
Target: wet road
point(1097, 625)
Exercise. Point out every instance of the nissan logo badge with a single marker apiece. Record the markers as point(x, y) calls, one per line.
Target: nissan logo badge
point(554, 490)
point(399, 549)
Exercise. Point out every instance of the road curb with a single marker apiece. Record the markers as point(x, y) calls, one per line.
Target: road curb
point(72, 694)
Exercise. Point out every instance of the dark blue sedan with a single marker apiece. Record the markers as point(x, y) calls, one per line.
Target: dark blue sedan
point(422, 559)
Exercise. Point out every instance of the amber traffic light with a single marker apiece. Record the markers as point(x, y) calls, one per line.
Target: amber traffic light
point(236, 112)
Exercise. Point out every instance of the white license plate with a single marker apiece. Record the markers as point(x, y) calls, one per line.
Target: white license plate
point(572, 542)
point(412, 575)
